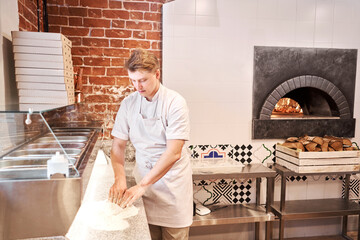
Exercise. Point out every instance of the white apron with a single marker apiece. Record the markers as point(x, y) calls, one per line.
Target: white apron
point(168, 202)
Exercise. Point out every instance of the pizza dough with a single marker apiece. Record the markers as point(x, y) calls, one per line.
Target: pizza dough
point(104, 215)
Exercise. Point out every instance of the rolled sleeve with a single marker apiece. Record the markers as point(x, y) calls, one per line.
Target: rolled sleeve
point(178, 124)
point(121, 125)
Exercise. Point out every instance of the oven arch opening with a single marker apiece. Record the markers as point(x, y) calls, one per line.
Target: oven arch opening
point(307, 102)
point(322, 98)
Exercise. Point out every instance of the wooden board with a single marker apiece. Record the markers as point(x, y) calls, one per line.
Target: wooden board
point(314, 169)
point(317, 161)
point(299, 154)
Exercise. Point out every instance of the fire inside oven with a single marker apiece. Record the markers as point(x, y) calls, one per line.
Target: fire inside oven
point(305, 103)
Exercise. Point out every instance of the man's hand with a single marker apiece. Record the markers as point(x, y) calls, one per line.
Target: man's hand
point(117, 191)
point(132, 194)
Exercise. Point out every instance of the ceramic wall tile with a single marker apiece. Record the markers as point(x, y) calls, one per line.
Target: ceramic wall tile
point(263, 154)
point(343, 32)
point(206, 7)
point(296, 190)
point(241, 153)
point(185, 7)
point(315, 190)
point(323, 31)
point(324, 11)
point(207, 27)
point(332, 189)
point(223, 191)
point(305, 31)
point(248, 9)
point(267, 9)
point(323, 44)
point(184, 25)
point(305, 10)
point(183, 47)
point(286, 10)
point(344, 11)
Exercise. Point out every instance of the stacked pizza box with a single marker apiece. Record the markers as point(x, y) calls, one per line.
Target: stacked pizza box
point(43, 69)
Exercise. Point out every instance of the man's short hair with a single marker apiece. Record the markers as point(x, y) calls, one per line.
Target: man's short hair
point(141, 59)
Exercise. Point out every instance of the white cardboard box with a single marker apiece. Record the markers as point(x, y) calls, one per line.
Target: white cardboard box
point(47, 100)
point(38, 107)
point(44, 79)
point(44, 65)
point(37, 42)
point(44, 72)
point(45, 86)
point(64, 50)
point(46, 93)
point(42, 36)
point(40, 57)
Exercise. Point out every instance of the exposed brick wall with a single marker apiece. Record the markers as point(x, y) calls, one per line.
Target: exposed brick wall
point(103, 33)
point(28, 19)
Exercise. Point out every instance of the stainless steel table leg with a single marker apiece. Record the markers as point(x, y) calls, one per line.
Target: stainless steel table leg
point(283, 193)
point(258, 190)
point(345, 218)
point(281, 229)
point(282, 206)
point(257, 231)
point(270, 182)
point(358, 234)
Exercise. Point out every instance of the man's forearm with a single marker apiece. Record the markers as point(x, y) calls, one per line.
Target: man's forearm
point(118, 161)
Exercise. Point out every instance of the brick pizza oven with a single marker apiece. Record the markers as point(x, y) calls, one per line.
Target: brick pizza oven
point(320, 80)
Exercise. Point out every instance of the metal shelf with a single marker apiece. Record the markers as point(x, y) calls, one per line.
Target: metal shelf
point(232, 214)
point(245, 213)
point(318, 208)
point(303, 209)
point(228, 172)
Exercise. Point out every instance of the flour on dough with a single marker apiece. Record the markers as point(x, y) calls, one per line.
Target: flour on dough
point(104, 215)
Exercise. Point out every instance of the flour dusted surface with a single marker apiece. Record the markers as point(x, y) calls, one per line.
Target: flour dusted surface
point(106, 216)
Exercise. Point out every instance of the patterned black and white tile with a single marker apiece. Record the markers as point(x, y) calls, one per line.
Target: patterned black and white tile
point(224, 191)
point(354, 188)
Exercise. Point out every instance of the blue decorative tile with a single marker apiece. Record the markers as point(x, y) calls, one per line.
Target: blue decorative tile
point(213, 153)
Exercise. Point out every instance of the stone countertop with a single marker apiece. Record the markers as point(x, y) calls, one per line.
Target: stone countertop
point(101, 179)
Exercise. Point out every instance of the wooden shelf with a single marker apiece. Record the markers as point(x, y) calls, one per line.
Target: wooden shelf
point(231, 214)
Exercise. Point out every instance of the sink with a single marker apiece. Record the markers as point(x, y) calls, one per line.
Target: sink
point(26, 163)
point(54, 145)
point(30, 160)
point(39, 153)
point(68, 134)
point(62, 139)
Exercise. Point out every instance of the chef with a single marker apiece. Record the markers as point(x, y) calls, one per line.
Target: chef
point(155, 119)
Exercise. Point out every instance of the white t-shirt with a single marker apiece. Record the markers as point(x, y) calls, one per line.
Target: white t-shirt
point(167, 103)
